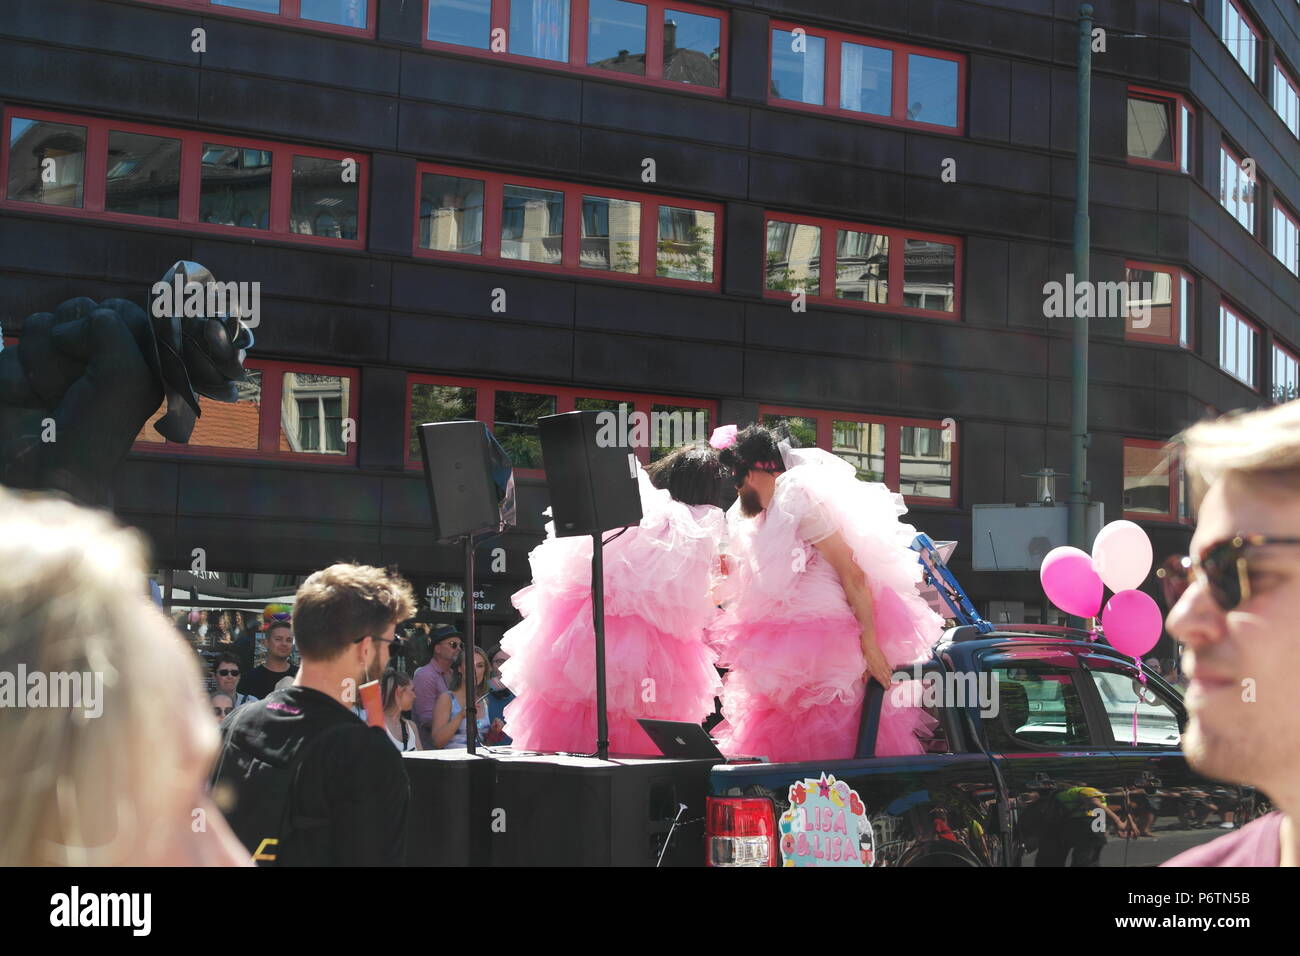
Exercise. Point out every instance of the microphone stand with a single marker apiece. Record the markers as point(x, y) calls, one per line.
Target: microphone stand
point(469, 662)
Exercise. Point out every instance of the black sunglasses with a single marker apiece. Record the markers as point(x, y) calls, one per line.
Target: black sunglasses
point(1225, 565)
point(228, 673)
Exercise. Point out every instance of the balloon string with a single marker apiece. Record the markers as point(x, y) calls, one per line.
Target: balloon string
point(1142, 677)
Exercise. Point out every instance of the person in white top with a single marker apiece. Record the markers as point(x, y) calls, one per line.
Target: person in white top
point(399, 696)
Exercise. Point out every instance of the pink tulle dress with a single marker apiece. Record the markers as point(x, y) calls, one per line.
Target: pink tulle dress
point(658, 579)
point(794, 690)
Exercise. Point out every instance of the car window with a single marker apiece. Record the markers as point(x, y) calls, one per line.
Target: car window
point(1137, 713)
point(1037, 708)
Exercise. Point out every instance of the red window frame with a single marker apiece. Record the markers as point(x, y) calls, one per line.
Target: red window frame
point(289, 14)
point(896, 263)
point(565, 396)
point(95, 173)
point(493, 195)
point(893, 442)
point(1176, 301)
point(1238, 157)
point(269, 420)
point(1255, 31)
point(1292, 354)
point(1175, 485)
point(1289, 77)
point(578, 26)
point(1280, 205)
point(1178, 103)
point(1240, 316)
point(831, 80)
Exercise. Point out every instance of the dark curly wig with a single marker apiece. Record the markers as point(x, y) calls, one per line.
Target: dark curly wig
point(691, 474)
point(755, 447)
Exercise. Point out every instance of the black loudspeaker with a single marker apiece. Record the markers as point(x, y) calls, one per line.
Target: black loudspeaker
point(469, 478)
point(593, 488)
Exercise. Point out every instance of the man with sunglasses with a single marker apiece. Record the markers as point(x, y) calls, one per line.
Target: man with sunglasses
point(227, 670)
point(430, 681)
point(1238, 596)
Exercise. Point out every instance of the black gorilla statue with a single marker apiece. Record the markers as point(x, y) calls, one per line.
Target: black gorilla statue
point(84, 379)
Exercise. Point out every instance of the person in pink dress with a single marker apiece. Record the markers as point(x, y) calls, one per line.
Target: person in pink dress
point(821, 597)
point(658, 581)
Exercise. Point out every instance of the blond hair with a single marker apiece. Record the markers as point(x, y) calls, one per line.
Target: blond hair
point(1261, 445)
point(79, 789)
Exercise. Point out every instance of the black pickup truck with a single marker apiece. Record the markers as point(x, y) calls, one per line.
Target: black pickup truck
point(1046, 744)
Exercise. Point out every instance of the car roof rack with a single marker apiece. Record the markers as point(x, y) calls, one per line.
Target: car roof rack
point(969, 632)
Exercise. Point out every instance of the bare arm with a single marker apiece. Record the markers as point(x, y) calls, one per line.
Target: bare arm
point(444, 725)
point(857, 590)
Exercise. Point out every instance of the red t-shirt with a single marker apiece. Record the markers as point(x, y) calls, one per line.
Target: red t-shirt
point(1258, 843)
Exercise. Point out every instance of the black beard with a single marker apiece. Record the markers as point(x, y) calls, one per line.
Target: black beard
point(750, 506)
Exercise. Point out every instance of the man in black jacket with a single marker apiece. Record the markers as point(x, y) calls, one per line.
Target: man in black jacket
point(301, 780)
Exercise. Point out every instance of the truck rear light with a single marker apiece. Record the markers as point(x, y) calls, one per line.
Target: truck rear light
point(741, 831)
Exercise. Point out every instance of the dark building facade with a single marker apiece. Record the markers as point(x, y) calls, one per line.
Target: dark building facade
point(841, 214)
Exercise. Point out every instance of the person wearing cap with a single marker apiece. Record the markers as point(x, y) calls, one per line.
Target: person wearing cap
point(430, 681)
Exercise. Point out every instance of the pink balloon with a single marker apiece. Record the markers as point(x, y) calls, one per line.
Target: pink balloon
point(1122, 555)
point(1131, 622)
point(1070, 581)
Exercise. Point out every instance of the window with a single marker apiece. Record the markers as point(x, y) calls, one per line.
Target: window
point(862, 445)
point(451, 214)
point(1237, 187)
point(335, 16)
point(284, 410)
point(917, 458)
point(540, 29)
point(1153, 488)
point(920, 275)
point(312, 413)
point(867, 78)
point(650, 425)
point(1136, 714)
point(126, 172)
point(46, 162)
point(1240, 37)
point(1238, 346)
point(611, 235)
point(656, 42)
point(1286, 97)
point(1159, 129)
point(568, 228)
point(235, 187)
point(1039, 709)
point(144, 175)
point(532, 225)
point(1286, 237)
point(1286, 374)
point(322, 201)
point(1160, 304)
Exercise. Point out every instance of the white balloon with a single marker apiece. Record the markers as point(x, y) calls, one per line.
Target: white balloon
point(1122, 555)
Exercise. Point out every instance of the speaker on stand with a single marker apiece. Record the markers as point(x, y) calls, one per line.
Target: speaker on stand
point(471, 489)
point(593, 489)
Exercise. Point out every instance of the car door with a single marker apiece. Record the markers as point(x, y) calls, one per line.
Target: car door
point(1175, 807)
point(1052, 761)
